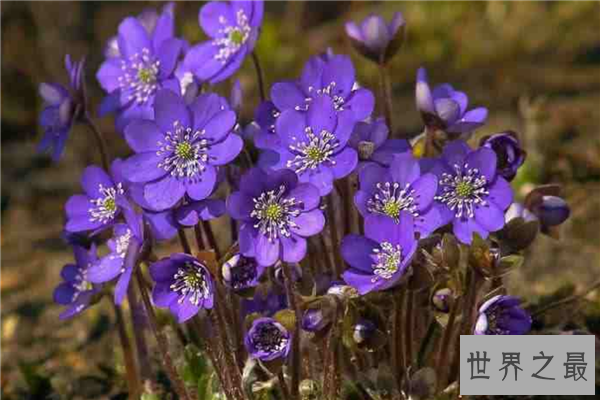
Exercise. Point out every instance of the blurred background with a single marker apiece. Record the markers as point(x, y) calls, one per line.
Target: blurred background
point(535, 65)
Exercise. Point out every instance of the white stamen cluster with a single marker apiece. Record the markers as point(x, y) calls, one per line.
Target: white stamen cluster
point(81, 284)
point(106, 205)
point(233, 37)
point(274, 213)
point(122, 244)
point(140, 75)
point(463, 191)
point(338, 101)
point(388, 258)
point(190, 281)
point(311, 154)
point(185, 154)
point(389, 199)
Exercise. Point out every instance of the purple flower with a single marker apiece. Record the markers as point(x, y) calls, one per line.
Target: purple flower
point(62, 107)
point(183, 284)
point(180, 151)
point(104, 200)
point(119, 262)
point(77, 292)
point(267, 340)
point(276, 215)
point(470, 192)
point(370, 140)
point(314, 320)
point(314, 144)
point(140, 61)
point(508, 151)
point(445, 108)
point(332, 77)
point(501, 315)
point(379, 260)
point(375, 39)
point(240, 273)
point(233, 28)
point(399, 189)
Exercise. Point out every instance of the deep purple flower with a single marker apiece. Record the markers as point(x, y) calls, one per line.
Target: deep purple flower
point(139, 61)
point(267, 340)
point(119, 262)
point(370, 140)
point(379, 260)
point(314, 144)
point(445, 108)
point(276, 215)
point(233, 28)
point(375, 39)
point(508, 151)
point(399, 189)
point(333, 78)
point(470, 192)
point(62, 107)
point(183, 284)
point(240, 273)
point(77, 292)
point(180, 151)
point(501, 315)
point(104, 200)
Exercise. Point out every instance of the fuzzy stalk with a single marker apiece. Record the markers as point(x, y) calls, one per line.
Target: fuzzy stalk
point(101, 143)
point(259, 76)
point(132, 377)
point(386, 95)
point(335, 244)
point(293, 304)
point(210, 236)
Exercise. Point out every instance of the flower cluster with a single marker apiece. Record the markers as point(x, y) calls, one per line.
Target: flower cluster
point(334, 227)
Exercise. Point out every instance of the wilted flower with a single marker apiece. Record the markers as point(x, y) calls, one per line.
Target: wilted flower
point(267, 340)
point(104, 200)
point(276, 215)
point(379, 260)
point(508, 151)
point(62, 107)
point(332, 77)
point(233, 28)
point(140, 61)
point(180, 151)
point(183, 284)
point(399, 189)
point(470, 192)
point(314, 144)
point(501, 315)
point(241, 272)
point(124, 248)
point(375, 39)
point(445, 108)
point(77, 292)
point(370, 140)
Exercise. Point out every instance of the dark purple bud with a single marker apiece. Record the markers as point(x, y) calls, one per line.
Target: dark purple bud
point(241, 272)
point(267, 340)
point(501, 315)
point(375, 39)
point(508, 151)
point(442, 299)
point(553, 211)
point(363, 331)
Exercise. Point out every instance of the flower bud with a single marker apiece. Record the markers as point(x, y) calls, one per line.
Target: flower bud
point(442, 300)
point(508, 151)
point(313, 320)
point(553, 211)
point(363, 331)
point(375, 39)
point(241, 272)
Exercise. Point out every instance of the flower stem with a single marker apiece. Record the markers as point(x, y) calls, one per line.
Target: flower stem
point(185, 245)
point(296, 356)
point(386, 94)
point(102, 147)
point(333, 230)
point(163, 346)
point(199, 239)
point(212, 241)
point(283, 386)
point(139, 320)
point(259, 76)
point(447, 336)
point(133, 381)
point(567, 300)
point(397, 348)
point(409, 326)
